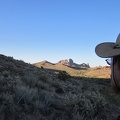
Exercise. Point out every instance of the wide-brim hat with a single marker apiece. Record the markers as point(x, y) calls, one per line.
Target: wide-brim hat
point(108, 49)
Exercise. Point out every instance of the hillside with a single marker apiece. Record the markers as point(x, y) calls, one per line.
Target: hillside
point(31, 93)
point(97, 72)
point(68, 63)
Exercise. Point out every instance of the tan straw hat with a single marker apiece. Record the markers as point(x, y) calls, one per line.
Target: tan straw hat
point(108, 49)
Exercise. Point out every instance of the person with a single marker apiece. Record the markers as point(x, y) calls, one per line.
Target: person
point(111, 50)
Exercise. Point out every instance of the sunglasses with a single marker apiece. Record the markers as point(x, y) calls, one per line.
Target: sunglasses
point(116, 59)
point(108, 61)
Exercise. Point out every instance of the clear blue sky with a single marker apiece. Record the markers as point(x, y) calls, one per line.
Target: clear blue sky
point(37, 30)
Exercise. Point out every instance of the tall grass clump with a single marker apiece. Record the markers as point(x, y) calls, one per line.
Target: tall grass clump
point(24, 94)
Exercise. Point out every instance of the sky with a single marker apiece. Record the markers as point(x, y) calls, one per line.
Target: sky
point(54, 30)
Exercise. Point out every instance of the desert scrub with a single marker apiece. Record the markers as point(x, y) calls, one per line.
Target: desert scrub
point(8, 109)
point(42, 67)
point(63, 75)
point(2, 80)
point(76, 115)
point(43, 102)
point(6, 98)
point(43, 86)
point(94, 105)
point(89, 106)
point(30, 79)
point(24, 94)
point(43, 78)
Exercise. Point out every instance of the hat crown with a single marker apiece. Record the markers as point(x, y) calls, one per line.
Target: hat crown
point(118, 40)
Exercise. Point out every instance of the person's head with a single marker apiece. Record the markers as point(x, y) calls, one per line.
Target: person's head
point(111, 50)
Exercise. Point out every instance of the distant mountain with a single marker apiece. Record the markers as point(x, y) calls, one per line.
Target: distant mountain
point(71, 63)
point(46, 63)
point(65, 62)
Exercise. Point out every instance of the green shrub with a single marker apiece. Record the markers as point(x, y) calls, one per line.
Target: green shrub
point(63, 75)
point(42, 67)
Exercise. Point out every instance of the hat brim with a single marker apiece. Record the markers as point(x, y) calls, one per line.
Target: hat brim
point(106, 50)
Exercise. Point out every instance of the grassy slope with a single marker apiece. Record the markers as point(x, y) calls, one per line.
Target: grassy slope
point(31, 93)
point(98, 72)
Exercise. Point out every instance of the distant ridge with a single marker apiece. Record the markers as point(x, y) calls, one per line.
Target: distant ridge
point(46, 63)
point(71, 63)
point(65, 62)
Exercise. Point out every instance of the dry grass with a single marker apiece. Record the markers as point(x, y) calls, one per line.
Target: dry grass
point(97, 72)
point(31, 93)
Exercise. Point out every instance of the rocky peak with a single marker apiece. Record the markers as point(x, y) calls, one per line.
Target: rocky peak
point(71, 63)
point(64, 62)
